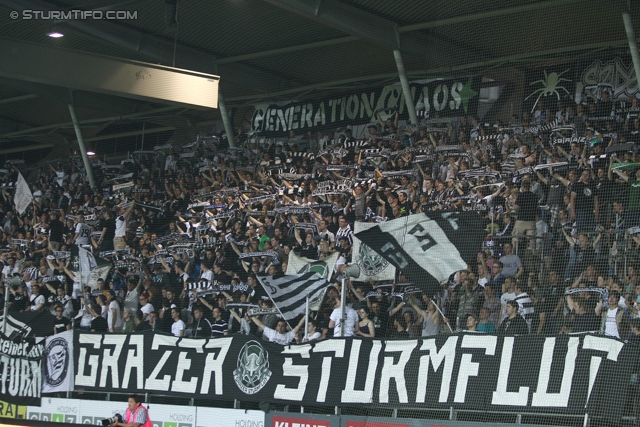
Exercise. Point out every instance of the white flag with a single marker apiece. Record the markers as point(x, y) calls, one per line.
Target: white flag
point(87, 264)
point(372, 265)
point(58, 366)
point(23, 196)
point(300, 265)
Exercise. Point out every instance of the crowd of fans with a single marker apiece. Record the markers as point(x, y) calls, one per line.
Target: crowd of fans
point(188, 229)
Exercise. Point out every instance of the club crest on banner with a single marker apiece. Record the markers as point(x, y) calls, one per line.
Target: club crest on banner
point(370, 262)
point(252, 373)
point(58, 356)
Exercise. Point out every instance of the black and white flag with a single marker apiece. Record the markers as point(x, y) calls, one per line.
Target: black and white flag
point(289, 293)
point(427, 247)
point(58, 363)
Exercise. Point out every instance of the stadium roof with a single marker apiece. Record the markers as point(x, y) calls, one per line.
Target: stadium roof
point(280, 50)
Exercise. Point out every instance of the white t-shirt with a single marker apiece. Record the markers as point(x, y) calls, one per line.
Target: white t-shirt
point(121, 226)
point(37, 302)
point(146, 309)
point(274, 336)
point(611, 326)
point(60, 176)
point(315, 336)
point(84, 232)
point(351, 317)
point(114, 305)
point(207, 275)
point(176, 327)
point(8, 270)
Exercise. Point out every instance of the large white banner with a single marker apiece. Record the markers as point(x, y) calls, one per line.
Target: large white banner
point(372, 266)
point(23, 196)
point(58, 364)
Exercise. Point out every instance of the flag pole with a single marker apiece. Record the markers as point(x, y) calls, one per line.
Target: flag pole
point(306, 320)
point(6, 309)
point(343, 301)
point(442, 314)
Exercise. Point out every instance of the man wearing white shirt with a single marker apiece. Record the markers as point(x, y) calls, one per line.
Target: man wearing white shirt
point(114, 315)
point(206, 274)
point(279, 335)
point(119, 242)
point(178, 326)
point(146, 306)
point(37, 300)
point(83, 232)
point(335, 322)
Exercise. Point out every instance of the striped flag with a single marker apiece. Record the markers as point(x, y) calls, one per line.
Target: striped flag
point(428, 248)
point(289, 293)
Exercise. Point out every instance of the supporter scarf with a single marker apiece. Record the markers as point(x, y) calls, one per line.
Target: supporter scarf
point(259, 199)
point(262, 311)
point(272, 254)
point(604, 292)
point(576, 140)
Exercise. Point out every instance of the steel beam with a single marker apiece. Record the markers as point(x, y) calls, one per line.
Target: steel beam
point(406, 90)
point(436, 72)
point(156, 48)
point(129, 133)
point(96, 73)
point(25, 148)
point(17, 99)
point(402, 29)
point(633, 46)
point(484, 15)
point(30, 131)
point(83, 150)
point(354, 21)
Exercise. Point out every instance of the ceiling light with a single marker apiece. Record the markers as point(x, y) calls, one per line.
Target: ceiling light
point(54, 34)
point(90, 153)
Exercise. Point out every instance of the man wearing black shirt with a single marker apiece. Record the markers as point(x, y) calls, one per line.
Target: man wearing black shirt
point(61, 323)
point(18, 300)
point(584, 203)
point(584, 320)
point(201, 326)
point(55, 232)
point(141, 324)
point(514, 324)
point(526, 205)
point(99, 323)
point(107, 227)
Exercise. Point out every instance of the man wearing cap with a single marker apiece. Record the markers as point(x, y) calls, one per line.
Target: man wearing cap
point(471, 323)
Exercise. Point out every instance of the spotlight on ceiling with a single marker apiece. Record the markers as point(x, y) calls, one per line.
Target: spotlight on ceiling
point(90, 153)
point(55, 34)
